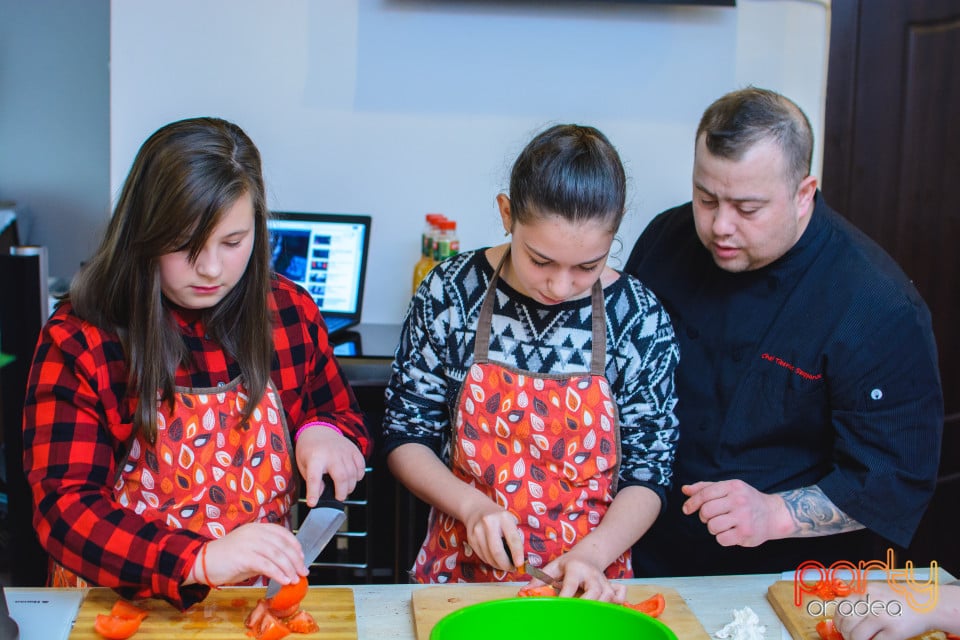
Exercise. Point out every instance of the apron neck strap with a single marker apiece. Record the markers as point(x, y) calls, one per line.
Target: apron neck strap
point(598, 317)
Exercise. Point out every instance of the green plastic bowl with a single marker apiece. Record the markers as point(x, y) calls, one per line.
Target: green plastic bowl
point(550, 618)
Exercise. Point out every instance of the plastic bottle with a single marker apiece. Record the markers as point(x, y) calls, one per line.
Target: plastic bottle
point(426, 261)
point(447, 243)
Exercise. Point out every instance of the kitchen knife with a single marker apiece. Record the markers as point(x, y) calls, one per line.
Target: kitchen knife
point(318, 528)
point(541, 576)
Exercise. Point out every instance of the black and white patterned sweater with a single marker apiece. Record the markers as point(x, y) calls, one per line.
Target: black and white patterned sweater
point(437, 343)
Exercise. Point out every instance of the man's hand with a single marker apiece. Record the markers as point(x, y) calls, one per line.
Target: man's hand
point(736, 513)
point(322, 451)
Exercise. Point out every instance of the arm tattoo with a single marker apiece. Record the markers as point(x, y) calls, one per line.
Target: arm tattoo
point(814, 514)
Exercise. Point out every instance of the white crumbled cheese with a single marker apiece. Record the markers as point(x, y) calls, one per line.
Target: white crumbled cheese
point(745, 626)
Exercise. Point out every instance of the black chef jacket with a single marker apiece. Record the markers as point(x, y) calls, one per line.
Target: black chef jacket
point(818, 369)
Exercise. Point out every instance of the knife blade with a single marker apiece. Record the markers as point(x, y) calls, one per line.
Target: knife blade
point(317, 529)
point(541, 576)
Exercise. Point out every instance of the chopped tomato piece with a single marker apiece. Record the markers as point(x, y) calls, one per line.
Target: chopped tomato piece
point(827, 631)
point(255, 616)
point(289, 595)
point(302, 622)
point(124, 609)
point(840, 588)
point(286, 613)
point(271, 628)
point(115, 628)
point(534, 592)
point(825, 591)
point(652, 606)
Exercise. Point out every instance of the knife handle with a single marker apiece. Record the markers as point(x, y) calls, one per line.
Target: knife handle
point(506, 548)
point(327, 497)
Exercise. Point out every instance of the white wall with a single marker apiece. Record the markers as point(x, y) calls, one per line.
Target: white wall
point(55, 124)
point(397, 108)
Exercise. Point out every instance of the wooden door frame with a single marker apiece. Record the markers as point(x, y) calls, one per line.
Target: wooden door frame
point(840, 102)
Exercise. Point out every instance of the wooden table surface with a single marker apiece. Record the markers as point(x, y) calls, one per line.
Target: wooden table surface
point(383, 609)
point(384, 612)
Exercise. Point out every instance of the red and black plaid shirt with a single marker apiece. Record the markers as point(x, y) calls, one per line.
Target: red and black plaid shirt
point(77, 416)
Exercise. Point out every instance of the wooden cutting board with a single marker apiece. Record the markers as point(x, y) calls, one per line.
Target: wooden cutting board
point(800, 624)
point(432, 603)
point(221, 615)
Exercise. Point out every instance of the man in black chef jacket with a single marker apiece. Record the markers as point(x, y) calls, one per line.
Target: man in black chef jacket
point(809, 397)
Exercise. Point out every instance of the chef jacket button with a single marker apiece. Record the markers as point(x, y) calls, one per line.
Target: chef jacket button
point(693, 333)
point(876, 394)
point(221, 384)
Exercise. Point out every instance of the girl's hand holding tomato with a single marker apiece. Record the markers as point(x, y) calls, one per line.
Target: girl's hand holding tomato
point(253, 549)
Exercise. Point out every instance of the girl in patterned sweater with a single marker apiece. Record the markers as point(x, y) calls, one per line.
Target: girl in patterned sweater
point(531, 401)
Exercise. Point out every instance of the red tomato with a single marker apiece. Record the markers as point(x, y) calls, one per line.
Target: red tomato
point(825, 591)
point(286, 613)
point(532, 592)
point(115, 628)
point(269, 629)
point(256, 616)
point(827, 631)
point(124, 609)
point(302, 622)
point(652, 606)
point(289, 595)
point(840, 588)
point(272, 629)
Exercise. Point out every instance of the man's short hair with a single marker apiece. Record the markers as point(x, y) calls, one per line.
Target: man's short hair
point(738, 120)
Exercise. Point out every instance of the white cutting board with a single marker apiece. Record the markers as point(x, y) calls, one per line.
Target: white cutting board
point(43, 614)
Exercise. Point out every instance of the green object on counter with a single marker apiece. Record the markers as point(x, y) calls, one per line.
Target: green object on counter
point(545, 617)
point(5, 359)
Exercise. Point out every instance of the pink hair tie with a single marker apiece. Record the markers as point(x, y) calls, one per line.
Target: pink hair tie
point(316, 423)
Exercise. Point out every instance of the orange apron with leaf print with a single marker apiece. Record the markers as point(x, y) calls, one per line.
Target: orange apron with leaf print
point(544, 447)
point(206, 472)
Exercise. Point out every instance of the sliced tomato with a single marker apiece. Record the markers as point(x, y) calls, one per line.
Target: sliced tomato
point(124, 609)
point(115, 628)
point(827, 630)
point(824, 591)
point(271, 629)
point(290, 595)
point(652, 606)
point(302, 622)
point(255, 616)
point(286, 613)
point(840, 588)
point(536, 592)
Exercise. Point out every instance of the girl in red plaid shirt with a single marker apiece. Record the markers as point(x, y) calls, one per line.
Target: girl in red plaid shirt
point(169, 386)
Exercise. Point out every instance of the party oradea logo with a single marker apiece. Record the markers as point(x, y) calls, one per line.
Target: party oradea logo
point(845, 586)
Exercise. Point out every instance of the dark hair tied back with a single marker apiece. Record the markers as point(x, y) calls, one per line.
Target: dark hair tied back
point(571, 171)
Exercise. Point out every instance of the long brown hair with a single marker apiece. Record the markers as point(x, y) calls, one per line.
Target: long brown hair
point(183, 179)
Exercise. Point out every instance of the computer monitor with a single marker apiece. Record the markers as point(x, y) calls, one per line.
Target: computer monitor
point(326, 254)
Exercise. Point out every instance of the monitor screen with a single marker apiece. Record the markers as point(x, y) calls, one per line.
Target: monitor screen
point(325, 254)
